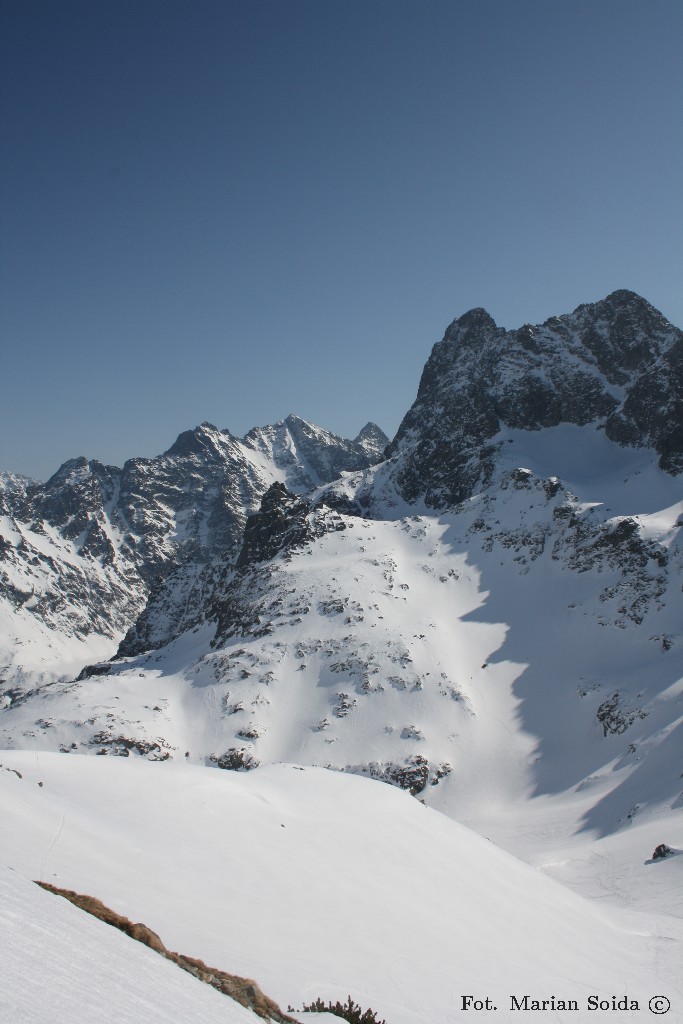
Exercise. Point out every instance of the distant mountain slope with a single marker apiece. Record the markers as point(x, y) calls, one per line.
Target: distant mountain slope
point(79, 554)
point(337, 628)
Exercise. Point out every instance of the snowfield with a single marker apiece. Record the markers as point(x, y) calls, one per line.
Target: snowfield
point(60, 964)
point(311, 882)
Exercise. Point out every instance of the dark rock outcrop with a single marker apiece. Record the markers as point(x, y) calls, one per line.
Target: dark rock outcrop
point(281, 522)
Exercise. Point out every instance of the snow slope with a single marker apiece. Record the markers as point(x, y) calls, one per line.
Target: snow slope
point(318, 884)
point(60, 964)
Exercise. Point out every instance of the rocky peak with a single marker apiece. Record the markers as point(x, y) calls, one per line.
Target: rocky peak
point(70, 472)
point(14, 489)
point(281, 522)
point(373, 439)
point(15, 482)
point(622, 304)
point(204, 441)
point(616, 363)
point(73, 501)
point(471, 326)
point(623, 333)
point(307, 455)
point(299, 424)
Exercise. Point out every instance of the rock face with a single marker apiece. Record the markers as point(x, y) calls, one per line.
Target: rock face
point(617, 364)
point(59, 565)
point(80, 554)
point(245, 602)
point(280, 523)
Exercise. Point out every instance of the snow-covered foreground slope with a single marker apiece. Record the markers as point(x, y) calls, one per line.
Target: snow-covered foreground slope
point(313, 883)
point(60, 964)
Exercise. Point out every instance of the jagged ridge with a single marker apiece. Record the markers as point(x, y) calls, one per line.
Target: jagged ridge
point(617, 364)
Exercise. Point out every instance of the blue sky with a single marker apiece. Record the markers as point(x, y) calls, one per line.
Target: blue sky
point(230, 210)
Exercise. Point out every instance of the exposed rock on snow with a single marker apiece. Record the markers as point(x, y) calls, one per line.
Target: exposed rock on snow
point(242, 990)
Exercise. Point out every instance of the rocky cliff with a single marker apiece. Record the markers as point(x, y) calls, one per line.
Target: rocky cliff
point(616, 364)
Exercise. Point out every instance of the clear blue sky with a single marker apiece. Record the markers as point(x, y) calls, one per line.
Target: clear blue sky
point(230, 210)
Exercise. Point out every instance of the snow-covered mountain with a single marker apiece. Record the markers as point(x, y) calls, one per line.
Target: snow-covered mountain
point(490, 618)
point(80, 554)
point(533, 622)
point(538, 627)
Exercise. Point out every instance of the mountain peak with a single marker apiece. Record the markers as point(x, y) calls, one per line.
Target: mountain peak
point(373, 439)
point(625, 295)
point(292, 420)
point(370, 430)
point(71, 470)
point(475, 321)
point(199, 441)
point(622, 304)
point(616, 363)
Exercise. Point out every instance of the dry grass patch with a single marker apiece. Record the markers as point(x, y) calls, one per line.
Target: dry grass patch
point(243, 990)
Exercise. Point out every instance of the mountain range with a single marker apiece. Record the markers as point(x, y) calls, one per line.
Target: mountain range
point(81, 553)
point(485, 611)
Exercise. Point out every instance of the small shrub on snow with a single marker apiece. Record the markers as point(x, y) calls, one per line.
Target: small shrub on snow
point(348, 1011)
